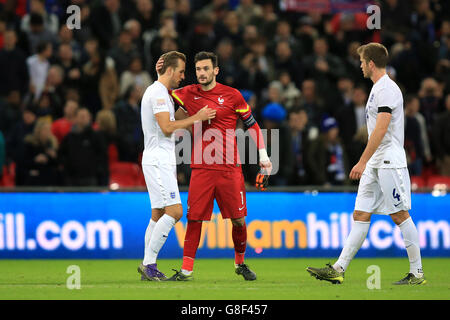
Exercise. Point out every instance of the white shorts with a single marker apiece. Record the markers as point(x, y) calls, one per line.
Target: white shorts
point(384, 191)
point(162, 185)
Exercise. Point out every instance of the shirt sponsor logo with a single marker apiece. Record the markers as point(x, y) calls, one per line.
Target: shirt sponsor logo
point(221, 100)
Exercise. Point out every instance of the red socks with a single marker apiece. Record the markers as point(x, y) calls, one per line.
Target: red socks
point(191, 242)
point(239, 235)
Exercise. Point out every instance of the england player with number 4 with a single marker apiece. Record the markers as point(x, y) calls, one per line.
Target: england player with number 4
point(384, 186)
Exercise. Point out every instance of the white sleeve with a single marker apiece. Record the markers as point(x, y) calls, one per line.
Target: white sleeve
point(386, 98)
point(159, 104)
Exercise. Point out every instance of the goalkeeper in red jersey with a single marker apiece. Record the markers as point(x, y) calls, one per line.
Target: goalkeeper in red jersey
point(218, 174)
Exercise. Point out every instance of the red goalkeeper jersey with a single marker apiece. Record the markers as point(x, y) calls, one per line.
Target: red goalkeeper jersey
point(217, 148)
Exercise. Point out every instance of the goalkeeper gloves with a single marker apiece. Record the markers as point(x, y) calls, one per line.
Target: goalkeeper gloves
point(262, 180)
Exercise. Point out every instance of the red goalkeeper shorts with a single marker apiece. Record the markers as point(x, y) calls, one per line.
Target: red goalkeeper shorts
point(227, 187)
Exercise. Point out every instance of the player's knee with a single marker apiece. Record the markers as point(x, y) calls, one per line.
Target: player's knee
point(361, 216)
point(175, 211)
point(238, 222)
point(177, 215)
point(400, 217)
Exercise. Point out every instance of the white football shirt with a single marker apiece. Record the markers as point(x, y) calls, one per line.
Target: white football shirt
point(158, 148)
point(390, 152)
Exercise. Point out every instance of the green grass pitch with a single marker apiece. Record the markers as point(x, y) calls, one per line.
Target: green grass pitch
point(278, 279)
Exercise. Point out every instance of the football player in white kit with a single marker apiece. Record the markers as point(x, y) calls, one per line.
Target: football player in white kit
point(384, 186)
point(158, 160)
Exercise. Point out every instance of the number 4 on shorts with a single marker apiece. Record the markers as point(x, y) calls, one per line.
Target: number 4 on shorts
point(395, 195)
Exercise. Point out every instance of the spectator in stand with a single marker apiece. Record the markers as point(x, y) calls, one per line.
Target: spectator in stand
point(70, 66)
point(259, 48)
point(351, 119)
point(230, 28)
point(38, 34)
point(10, 112)
point(14, 72)
point(106, 23)
point(413, 139)
point(250, 75)
point(51, 21)
point(43, 107)
point(200, 38)
point(289, 93)
point(129, 129)
point(396, 15)
point(351, 61)
point(273, 116)
point(15, 142)
point(65, 37)
point(228, 66)
point(306, 33)
point(100, 85)
point(82, 153)
point(441, 134)
point(134, 28)
point(105, 121)
point(267, 22)
point(285, 60)
point(324, 67)
point(326, 156)
point(167, 30)
point(85, 33)
point(54, 90)
point(216, 10)
point(345, 87)
point(146, 15)
point(302, 135)
point(345, 27)
point(38, 66)
point(430, 100)
point(123, 52)
point(134, 75)
point(310, 101)
point(62, 126)
point(183, 16)
point(284, 33)
point(40, 156)
point(247, 11)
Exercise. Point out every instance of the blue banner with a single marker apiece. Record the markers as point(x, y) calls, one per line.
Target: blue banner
point(113, 224)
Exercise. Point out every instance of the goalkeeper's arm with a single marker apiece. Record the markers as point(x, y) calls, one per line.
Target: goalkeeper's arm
point(262, 179)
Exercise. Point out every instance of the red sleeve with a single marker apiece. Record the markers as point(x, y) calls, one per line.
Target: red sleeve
point(180, 96)
point(245, 113)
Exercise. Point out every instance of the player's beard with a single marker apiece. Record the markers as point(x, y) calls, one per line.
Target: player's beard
point(208, 80)
point(175, 83)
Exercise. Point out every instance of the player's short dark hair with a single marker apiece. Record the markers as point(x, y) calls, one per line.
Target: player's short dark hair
point(204, 55)
point(171, 60)
point(375, 52)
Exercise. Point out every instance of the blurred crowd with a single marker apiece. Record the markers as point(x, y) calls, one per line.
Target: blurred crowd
point(70, 98)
